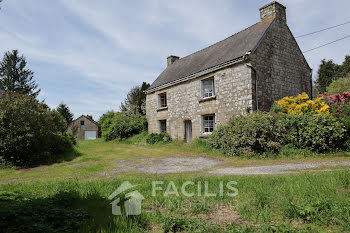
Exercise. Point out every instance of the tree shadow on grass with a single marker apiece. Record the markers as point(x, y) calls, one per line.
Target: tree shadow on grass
point(64, 212)
point(49, 159)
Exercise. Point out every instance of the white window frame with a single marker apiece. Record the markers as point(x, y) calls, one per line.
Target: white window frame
point(205, 95)
point(160, 126)
point(160, 104)
point(204, 121)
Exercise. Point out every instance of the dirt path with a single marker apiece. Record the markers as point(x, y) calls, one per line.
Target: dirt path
point(190, 164)
point(164, 165)
point(278, 169)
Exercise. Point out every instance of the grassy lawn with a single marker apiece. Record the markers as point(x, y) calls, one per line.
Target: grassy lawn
point(92, 158)
point(72, 196)
point(311, 202)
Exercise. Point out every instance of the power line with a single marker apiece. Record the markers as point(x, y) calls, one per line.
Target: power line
point(323, 30)
point(327, 44)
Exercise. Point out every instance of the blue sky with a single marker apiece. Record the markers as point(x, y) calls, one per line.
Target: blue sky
point(89, 53)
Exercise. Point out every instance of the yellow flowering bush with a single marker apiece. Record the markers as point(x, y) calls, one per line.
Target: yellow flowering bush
point(300, 105)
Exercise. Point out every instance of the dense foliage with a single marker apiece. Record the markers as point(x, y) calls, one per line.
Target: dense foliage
point(268, 132)
point(258, 132)
point(154, 138)
point(14, 77)
point(330, 71)
point(337, 102)
point(319, 133)
point(64, 110)
point(120, 125)
point(300, 105)
point(339, 86)
point(31, 133)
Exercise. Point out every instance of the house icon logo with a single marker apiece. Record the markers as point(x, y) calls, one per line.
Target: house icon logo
point(126, 200)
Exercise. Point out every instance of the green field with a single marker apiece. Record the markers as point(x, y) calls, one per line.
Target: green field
point(61, 198)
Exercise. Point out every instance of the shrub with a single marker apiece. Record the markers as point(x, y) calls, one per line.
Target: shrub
point(269, 132)
point(339, 104)
point(122, 126)
point(340, 85)
point(319, 133)
point(154, 138)
point(257, 132)
point(300, 105)
point(30, 133)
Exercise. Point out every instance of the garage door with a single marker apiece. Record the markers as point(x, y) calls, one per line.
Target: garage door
point(90, 135)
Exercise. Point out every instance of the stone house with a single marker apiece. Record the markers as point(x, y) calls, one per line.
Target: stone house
point(84, 128)
point(246, 71)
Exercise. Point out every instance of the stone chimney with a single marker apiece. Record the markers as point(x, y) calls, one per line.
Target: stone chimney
point(273, 10)
point(171, 59)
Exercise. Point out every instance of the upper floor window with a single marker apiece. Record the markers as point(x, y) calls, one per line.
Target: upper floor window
point(162, 100)
point(162, 126)
point(82, 124)
point(208, 88)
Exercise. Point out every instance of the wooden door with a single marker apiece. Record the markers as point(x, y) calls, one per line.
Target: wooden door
point(188, 131)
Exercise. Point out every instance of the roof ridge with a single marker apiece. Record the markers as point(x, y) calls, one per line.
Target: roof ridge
point(219, 41)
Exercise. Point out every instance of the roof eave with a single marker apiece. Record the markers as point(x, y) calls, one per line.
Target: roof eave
point(196, 75)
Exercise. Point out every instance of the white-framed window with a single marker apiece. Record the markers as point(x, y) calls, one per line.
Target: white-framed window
point(162, 126)
point(207, 88)
point(162, 100)
point(207, 123)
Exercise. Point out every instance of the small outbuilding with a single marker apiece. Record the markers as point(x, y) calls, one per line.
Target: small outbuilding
point(84, 128)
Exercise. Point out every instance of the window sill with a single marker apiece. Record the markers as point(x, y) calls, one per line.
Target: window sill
point(162, 109)
point(205, 135)
point(207, 99)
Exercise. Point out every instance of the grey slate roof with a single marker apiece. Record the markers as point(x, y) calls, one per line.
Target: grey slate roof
point(228, 49)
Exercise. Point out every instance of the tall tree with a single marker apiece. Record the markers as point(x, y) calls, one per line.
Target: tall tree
point(64, 110)
point(344, 68)
point(14, 77)
point(135, 101)
point(326, 74)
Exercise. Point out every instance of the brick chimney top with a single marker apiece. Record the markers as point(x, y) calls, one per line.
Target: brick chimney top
point(273, 10)
point(171, 59)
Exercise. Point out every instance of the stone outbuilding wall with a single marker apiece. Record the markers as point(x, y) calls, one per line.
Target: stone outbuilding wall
point(78, 130)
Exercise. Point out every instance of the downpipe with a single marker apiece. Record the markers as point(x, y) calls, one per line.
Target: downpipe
point(256, 78)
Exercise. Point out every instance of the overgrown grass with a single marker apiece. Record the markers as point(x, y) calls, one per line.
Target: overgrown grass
point(92, 158)
point(316, 202)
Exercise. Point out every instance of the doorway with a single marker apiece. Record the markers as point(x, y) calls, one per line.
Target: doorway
point(188, 131)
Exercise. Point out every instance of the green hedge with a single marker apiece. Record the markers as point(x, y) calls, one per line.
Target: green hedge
point(31, 133)
point(320, 133)
point(268, 132)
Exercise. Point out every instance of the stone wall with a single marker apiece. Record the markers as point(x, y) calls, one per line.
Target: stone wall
point(233, 91)
point(79, 132)
point(281, 66)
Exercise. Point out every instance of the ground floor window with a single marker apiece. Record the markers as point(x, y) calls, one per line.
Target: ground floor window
point(208, 123)
point(162, 126)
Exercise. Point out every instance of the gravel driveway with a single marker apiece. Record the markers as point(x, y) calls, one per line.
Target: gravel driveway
point(277, 169)
point(164, 165)
point(190, 164)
